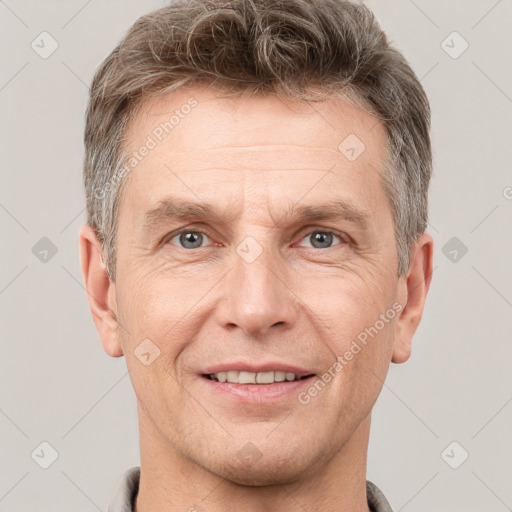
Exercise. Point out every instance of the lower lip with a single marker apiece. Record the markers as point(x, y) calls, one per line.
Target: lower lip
point(258, 393)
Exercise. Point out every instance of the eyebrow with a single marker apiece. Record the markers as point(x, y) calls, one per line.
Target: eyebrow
point(176, 209)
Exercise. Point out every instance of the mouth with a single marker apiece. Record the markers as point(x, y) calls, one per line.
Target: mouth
point(255, 389)
point(256, 378)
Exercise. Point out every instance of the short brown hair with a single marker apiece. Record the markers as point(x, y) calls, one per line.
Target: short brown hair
point(287, 47)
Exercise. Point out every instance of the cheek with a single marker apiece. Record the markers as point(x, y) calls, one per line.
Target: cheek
point(357, 323)
point(366, 337)
point(345, 301)
point(153, 300)
point(163, 313)
point(359, 373)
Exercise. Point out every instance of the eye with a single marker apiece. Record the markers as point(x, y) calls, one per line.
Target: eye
point(322, 239)
point(189, 239)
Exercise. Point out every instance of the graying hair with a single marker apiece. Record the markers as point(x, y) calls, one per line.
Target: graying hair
point(307, 50)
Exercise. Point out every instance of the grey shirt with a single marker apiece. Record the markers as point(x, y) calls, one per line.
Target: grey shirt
point(129, 487)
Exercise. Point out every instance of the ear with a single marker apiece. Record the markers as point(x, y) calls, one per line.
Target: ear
point(100, 291)
point(414, 288)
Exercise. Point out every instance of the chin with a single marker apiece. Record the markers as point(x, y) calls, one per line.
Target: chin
point(263, 476)
point(271, 468)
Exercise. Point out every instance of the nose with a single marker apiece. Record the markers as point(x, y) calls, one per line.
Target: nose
point(257, 296)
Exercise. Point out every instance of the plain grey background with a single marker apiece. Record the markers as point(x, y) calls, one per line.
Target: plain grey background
point(452, 399)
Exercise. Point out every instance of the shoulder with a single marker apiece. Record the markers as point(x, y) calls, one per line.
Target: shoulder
point(127, 490)
point(376, 499)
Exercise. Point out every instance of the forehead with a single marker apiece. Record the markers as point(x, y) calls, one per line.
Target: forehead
point(196, 142)
point(255, 118)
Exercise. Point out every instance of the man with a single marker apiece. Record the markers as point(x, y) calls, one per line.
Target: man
point(256, 178)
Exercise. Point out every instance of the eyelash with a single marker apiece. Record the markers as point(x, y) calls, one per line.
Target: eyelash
point(345, 239)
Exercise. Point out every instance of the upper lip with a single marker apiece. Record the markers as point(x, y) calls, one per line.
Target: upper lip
point(258, 368)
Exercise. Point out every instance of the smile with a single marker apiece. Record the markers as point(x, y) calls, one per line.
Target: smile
point(243, 377)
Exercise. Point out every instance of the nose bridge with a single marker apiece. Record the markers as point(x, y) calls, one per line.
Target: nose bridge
point(257, 298)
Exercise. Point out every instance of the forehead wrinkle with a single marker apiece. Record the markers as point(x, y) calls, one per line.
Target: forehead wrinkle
point(254, 158)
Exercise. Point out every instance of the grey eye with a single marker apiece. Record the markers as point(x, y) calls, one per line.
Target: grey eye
point(190, 239)
point(321, 239)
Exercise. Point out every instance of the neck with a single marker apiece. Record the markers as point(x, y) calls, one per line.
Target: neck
point(170, 482)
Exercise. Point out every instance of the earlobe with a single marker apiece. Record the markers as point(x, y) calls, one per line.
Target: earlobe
point(100, 291)
point(415, 286)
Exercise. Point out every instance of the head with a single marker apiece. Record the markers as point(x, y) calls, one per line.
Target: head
point(256, 179)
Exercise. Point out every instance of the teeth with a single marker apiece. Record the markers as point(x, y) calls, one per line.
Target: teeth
point(253, 378)
point(279, 376)
point(265, 377)
point(247, 378)
point(231, 376)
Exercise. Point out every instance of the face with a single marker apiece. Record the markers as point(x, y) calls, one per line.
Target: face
point(255, 236)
